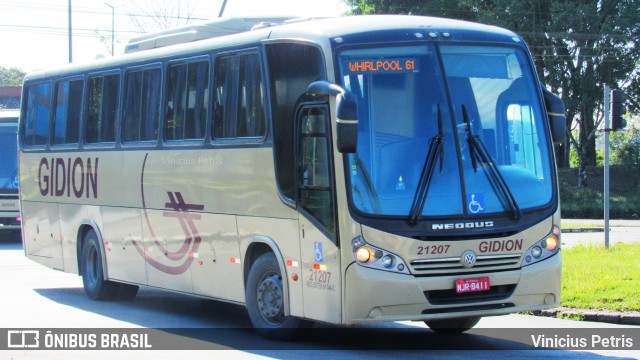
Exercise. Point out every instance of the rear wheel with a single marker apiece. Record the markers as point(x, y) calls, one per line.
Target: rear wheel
point(95, 286)
point(265, 300)
point(453, 326)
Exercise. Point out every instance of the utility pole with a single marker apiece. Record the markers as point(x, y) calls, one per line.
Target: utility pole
point(113, 36)
point(614, 110)
point(607, 129)
point(70, 36)
point(224, 4)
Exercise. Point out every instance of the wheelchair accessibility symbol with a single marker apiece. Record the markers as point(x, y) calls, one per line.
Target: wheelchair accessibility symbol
point(476, 203)
point(319, 257)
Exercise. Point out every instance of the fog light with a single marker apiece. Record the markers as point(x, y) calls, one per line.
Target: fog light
point(552, 243)
point(363, 254)
point(536, 251)
point(387, 261)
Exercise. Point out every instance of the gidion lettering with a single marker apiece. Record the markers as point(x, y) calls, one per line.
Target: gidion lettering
point(500, 245)
point(68, 177)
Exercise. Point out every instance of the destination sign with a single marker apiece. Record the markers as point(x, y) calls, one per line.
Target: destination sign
point(382, 66)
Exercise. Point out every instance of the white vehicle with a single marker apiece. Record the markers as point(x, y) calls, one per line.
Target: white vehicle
point(9, 202)
point(348, 170)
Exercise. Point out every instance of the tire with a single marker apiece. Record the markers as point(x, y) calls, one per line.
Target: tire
point(265, 301)
point(453, 326)
point(95, 286)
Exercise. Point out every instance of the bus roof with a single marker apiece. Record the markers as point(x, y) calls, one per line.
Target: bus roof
point(365, 29)
point(204, 30)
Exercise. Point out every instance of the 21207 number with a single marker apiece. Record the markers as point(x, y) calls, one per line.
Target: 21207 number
point(433, 249)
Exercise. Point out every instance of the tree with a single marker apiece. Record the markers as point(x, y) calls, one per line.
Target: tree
point(577, 45)
point(161, 15)
point(11, 76)
point(625, 146)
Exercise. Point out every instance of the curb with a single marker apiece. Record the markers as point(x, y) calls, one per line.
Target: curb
point(611, 317)
point(582, 230)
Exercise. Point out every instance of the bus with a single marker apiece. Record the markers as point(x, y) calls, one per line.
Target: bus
point(345, 170)
point(9, 202)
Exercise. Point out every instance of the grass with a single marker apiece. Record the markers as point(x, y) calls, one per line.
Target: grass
point(596, 278)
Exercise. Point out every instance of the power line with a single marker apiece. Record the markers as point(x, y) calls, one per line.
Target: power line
point(89, 10)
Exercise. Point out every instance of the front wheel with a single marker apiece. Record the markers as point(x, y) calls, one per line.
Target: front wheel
point(265, 300)
point(453, 326)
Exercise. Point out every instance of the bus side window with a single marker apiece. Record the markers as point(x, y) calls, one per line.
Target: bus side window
point(187, 101)
point(36, 129)
point(66, 118)
point(239, 98)
point(314, 174)
point(142, 105)
point(250, 98)
point(292, 67)
point(102, 104)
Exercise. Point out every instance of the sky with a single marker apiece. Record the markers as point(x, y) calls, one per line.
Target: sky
point(34, 33)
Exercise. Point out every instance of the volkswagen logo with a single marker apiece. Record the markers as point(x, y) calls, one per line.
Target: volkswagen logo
point(468, 259)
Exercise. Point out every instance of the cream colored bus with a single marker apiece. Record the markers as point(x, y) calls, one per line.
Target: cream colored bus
point(348, 170)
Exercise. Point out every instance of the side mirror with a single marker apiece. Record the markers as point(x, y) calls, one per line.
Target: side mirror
point(346, 113)
point(555, 115)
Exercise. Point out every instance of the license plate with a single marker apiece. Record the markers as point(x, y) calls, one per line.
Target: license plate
point(472, 285)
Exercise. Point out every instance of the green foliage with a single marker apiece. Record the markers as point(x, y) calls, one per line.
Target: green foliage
point(625, 146)
point(452, 9)
point(11, 76)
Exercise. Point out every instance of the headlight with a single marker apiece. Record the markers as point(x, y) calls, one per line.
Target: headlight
point(544, 248)
point(373, 257)
point(364, 254)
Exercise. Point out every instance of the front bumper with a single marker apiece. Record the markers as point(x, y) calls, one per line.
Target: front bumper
point(9, 220)
point(379, 296)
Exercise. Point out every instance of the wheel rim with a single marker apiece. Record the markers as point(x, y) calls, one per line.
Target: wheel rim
point(91, 267)
point(270, 299)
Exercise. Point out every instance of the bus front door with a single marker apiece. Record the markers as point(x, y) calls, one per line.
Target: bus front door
point(316, 204)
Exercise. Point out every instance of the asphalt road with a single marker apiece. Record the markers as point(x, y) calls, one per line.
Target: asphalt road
point(35, 297)
point(591, 232)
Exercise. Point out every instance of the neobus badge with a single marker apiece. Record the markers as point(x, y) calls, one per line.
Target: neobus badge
point(59, 177)
point(462, 225)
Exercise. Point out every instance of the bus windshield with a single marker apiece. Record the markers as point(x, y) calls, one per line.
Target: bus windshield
point(482, 105)
point(8, 156)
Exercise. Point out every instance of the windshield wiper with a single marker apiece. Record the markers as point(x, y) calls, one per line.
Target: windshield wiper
point(479, 153)
point(420, 197)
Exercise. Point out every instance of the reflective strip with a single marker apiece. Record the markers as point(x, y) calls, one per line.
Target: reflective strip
point(292, 263)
